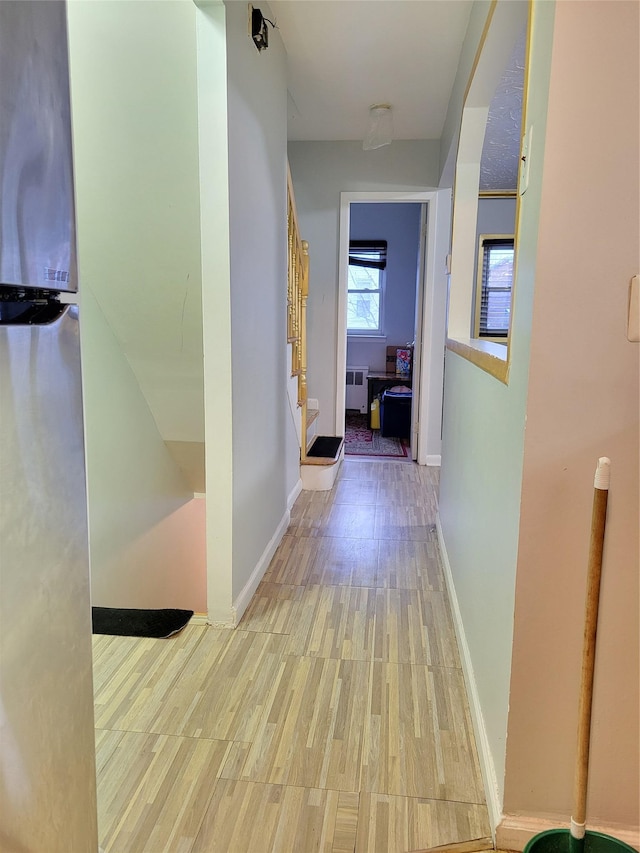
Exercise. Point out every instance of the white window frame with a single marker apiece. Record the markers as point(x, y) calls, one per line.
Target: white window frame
point(381, 247)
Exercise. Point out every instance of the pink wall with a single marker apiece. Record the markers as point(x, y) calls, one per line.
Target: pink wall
point(163, 565)
point(582, 403)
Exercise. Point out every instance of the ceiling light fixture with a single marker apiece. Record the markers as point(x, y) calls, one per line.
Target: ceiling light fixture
point(380, 130)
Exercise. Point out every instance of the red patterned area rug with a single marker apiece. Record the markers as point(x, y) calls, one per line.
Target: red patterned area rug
point(359, 440)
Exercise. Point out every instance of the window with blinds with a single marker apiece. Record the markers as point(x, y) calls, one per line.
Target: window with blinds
point(367, 263)
point(495, 279)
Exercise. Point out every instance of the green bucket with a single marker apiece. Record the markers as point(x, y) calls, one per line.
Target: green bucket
point(560, 841)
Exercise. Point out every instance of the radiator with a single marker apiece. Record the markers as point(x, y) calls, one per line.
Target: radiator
point(356, 383)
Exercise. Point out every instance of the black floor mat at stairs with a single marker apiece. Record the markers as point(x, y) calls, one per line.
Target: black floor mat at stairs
point(128, 622)
point(325, 446)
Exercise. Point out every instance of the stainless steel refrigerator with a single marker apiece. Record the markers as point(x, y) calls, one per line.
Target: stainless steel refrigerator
point(47, 755)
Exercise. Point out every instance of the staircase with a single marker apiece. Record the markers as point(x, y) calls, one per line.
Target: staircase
point(320, 456)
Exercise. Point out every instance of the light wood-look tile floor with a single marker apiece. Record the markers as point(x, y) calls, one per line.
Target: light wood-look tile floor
point(333, 719)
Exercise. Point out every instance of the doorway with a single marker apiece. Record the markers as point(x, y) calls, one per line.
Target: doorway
point(428, 304)
point(383, 287)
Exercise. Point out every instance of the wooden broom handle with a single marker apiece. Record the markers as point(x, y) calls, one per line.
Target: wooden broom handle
point(594, 572)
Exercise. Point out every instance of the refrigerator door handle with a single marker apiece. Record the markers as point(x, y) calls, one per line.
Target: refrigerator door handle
point(33, 312)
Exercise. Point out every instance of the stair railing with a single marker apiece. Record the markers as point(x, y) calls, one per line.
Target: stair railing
point(297, 294)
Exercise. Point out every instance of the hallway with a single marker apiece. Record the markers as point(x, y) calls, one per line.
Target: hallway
point(334, 718)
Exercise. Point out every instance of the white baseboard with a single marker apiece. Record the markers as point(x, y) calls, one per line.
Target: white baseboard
point(514, 831)
point(242, 601)
point(293, 494)
point(434, 460)
point(487, 766)
point(199, 619)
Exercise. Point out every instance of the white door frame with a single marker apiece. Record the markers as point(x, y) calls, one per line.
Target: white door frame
point(438, 203)
point(417, 332)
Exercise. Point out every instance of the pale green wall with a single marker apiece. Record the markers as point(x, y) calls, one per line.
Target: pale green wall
point(134, 100)
point(482, 457)
point(321, 171)
point(136, 162)
point(146, 531)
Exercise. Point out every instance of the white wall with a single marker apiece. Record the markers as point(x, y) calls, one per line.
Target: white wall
point(146, 531)
point(216, 304)
point(321, 171)
point(582, 403)
point(482, 456)
point(495, 216)
point(263, 443)
point(399, 225)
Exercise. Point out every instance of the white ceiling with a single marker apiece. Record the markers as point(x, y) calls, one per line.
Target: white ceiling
point(344, 55)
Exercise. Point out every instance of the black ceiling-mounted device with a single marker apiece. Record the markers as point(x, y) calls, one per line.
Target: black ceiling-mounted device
point(259, 32)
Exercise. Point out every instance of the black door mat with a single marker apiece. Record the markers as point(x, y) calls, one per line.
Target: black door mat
point(325, 446)
point(128, 622)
